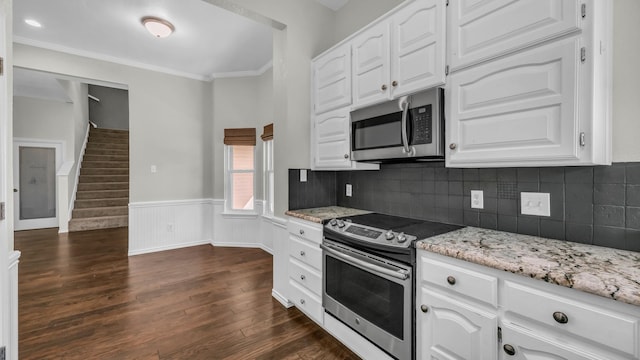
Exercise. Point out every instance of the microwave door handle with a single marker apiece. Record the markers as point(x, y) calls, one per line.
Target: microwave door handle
point(399, 274)
point(404, 104)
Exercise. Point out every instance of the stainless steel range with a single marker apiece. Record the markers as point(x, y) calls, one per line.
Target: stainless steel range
point(368, 280)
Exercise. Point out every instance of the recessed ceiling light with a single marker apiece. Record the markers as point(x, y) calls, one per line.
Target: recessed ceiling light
point(33, 23)
point(157, 27)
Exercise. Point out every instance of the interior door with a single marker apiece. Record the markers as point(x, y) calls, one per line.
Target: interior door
point(35, 200)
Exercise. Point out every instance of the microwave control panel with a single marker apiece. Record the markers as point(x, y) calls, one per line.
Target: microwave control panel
point(422, 124)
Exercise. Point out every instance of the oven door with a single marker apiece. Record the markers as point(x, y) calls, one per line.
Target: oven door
point(370, 294)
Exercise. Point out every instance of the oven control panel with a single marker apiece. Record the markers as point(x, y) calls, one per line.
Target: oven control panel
point(371, 234)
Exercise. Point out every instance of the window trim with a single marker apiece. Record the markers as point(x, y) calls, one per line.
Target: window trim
point(228, 191)
point(268, 201)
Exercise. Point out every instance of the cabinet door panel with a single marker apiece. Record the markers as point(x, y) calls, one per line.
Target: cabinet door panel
point(528, 346)
point(418, 47)
point(480, 30)
point(371, 65)
point(332, 80)
point(454, 330)
point(332, 140)
point(517, 109)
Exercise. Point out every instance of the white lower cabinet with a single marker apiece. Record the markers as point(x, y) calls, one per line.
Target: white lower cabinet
point(531, 320)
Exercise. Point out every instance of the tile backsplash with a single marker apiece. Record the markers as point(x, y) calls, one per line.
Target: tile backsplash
point(595, 205)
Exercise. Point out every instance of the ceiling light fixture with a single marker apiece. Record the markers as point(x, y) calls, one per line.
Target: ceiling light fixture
point(32, 22)
point(157, 27)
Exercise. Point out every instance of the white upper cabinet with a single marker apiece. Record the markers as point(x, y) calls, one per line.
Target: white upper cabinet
point(332, 79)
point(418, 54)
point(400, 54)
point(371, 65)
point(548, 104)
point(332, 140)
point(483, 29)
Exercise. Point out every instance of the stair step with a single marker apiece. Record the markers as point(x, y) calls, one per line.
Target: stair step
point(100, 211)
point(103, 179)
point(101, 194)
point(102, 222)
point(108, 131)
point(94, 203)
point(107, 145)
point(104, 171)
point(100, 151)
point(121, 134)
point(107, 139)
point(105, 158)
point(96, 186)
point(105, 164)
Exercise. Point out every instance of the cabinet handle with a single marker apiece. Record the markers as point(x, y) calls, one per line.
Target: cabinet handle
point(509, 349)
point(301, 232)
point(346, 156)
point(301, 253)
point(384, 87)
point(453, 146)
point(302, 277)
point(394, 83)
point(302, 301)
point(424, 308)
point(451, 280)
point(560, 317)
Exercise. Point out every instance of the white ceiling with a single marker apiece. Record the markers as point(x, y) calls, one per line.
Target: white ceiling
point(208, 42)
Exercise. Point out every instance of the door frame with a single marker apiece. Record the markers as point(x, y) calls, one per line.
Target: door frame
point(34, 223)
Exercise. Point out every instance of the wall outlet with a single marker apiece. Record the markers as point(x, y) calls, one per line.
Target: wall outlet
point(349, 190)
point(170, 227)
point(538, 204)
point(154, 169)
point(303, 175)
point(477, 199)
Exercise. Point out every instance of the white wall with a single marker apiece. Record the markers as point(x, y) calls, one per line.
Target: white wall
point(44, 119)
point(167, 121)
point(626, 81)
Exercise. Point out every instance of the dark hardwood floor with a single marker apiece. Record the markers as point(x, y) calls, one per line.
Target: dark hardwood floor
point(81, 297)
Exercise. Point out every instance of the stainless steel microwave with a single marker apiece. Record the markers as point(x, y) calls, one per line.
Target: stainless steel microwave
point(410, 128)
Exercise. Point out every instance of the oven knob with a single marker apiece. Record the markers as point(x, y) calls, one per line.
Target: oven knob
point(402, 237)
point(389, 235)
point(340, 223)
point(333, 222)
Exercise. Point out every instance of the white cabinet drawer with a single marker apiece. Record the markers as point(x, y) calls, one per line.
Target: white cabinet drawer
point(483, 30)
point(606, 327)
point(306, 276)
point(460, 280)
point(306, 230)
point(307, 302)
point(306, 252)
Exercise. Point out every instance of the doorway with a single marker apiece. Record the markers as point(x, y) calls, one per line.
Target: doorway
point(35, 198)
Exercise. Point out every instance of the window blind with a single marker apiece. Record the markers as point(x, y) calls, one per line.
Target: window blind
point(246, 136)
point(267, 133)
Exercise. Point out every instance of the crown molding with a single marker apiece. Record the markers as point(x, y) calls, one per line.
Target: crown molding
point(249, 73)
point(108, 58)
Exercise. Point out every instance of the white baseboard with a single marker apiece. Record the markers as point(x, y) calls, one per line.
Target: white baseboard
point(281, 299)
point(12, 349)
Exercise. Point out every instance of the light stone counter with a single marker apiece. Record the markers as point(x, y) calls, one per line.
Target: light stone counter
point(607, 272)
point(318, 215)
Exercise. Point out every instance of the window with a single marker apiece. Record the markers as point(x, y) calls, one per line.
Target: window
point(267, 168)
point(239, 170)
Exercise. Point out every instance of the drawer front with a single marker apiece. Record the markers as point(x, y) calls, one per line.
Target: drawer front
point(306, 301)
point(305, 276)
point(310, 231)
point(306, 252)
point(460, 280)
point(608, 328)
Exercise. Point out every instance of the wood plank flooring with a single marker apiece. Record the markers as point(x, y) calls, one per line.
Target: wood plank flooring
point(81, 297)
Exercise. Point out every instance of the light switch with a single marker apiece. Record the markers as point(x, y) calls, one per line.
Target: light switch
point(154, 169)
point(538, 204)
point(303, 175)
point(349, 190)
point(477, 199)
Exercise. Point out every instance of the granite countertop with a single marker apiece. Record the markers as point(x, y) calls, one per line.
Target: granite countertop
point(318, 215)
point(607, 272)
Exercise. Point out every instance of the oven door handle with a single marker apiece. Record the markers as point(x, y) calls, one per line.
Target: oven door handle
point(399, 274)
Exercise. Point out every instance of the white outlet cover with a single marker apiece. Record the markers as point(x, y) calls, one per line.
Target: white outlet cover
point(303, 175)
point(349, 190)
point(154, 169)
point(477, 199)
point(538, 204)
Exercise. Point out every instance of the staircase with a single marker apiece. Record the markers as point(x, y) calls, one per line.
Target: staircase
point(102, 198)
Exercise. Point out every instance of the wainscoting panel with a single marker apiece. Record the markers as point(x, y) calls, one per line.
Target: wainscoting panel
point(12, 349)
point(165, 225)
point(237, 230)
point(280, 262)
